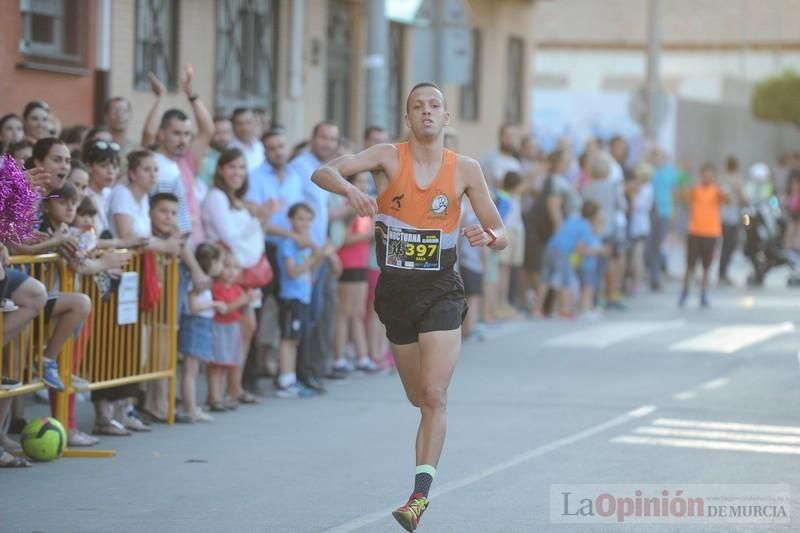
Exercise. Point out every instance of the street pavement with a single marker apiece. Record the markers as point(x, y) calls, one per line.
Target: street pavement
point(648, 396)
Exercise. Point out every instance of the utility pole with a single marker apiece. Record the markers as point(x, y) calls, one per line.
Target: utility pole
point(653, 85)
point(375, 63)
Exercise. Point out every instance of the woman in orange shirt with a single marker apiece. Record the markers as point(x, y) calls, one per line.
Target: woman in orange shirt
point(705, 226)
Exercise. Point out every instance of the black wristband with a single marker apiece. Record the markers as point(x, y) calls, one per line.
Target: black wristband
point(194, 97)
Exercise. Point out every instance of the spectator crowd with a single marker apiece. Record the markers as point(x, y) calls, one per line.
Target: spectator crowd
point(277, 276)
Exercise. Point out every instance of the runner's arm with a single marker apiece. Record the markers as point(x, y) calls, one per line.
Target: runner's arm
point(478, 193)
point(331, 176)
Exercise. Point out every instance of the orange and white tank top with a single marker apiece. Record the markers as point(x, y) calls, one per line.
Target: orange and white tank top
point(417, 229)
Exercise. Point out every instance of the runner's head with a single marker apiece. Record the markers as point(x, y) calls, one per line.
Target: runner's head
point(426, 111)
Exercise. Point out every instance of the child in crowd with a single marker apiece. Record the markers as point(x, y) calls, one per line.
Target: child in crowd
point(557, 272)
point(640, 193)
point(610, 198)
point(705, 226)
point(509, 205)
point(195, 336)
point(589, 280)
point(22, 151)
point(354, 255)
point(228, 348)
point(296, 265)
point(78, 176)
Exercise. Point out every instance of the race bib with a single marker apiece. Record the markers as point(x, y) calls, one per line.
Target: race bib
point(413, 249)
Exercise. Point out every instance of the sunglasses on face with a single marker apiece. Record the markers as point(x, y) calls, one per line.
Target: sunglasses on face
point(103, 145)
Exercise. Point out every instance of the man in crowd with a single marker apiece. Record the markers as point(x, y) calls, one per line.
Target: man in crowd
point(117, 114)
point(245, 131)
point(223, 135)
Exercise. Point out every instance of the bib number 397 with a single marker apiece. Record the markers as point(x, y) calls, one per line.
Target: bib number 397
point(413, 249)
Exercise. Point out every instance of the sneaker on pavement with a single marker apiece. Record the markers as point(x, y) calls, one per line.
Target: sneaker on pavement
point(77, 438)
point(410, 514)
point(7, 383)
point(683, 298)
point(365, 364)
point(182, 417)
point(50, 375)
point(202, 416)
point(295, 390)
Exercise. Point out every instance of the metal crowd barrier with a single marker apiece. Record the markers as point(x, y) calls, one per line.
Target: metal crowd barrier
point(120, 343)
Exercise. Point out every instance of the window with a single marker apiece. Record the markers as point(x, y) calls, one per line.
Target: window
point(515, 89)
point(156, 42)
point(54, 30)
point(246, 52)
point(340, 64)
point(470, 92)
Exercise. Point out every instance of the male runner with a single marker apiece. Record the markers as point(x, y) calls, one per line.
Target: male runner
point(420, 297)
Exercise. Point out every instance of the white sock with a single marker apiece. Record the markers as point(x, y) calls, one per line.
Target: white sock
point(286, 379)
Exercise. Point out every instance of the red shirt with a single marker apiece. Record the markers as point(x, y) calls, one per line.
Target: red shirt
point(227, 294)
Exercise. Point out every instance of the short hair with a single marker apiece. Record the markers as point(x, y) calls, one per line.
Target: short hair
point(162, 197)
point(270, 134)
point(503, 127)
point(87, 207)
point(511, 181)
point(43, 146)
point(94, 154)
point(74, 134)
point(170, 115)
point(422, 84)
point(600, 166)
point(67, 191)
point(206, 253)
point(370, 129)
point(220, 118)
point(708, 166)
point(240, 111)
point(300, 206)
point(731, 163)
point(589, 209)
point(322, 124)
point(32, 106)
point(19, 145)
point(136, 157)
point(77, 164)
point(107, 105)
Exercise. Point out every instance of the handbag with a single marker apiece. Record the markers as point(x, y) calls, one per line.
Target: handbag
point(257, 276)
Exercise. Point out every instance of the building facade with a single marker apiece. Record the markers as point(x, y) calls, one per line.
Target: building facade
point(300, 60)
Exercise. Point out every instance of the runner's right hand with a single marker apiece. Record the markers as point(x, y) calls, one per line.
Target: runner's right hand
point(363, 204)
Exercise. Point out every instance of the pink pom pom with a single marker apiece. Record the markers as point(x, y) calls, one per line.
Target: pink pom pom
point(18, 203)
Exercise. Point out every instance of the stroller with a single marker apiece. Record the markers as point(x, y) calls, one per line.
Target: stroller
point(764, 232)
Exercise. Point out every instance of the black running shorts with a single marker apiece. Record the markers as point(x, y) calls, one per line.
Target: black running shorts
point(700, 249)
point(411, 304)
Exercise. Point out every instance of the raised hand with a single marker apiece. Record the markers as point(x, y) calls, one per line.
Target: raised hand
point(156, 86)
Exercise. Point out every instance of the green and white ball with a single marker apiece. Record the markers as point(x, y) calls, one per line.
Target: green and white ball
point(43, 439)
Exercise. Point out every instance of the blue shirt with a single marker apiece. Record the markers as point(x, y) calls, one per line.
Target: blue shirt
point(590, 261)
point(574, 230)
point(298, 288)
point(663, 184)
point(265, 184)
point(304, 165)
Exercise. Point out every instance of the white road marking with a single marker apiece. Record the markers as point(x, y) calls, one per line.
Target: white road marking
point(750, 302)
point(726, 426)
point(716, 435)
point(685, 395)
point(709, 444)
point(383, 514)
point(608, 333)
point(730, 339)
point(715, 383)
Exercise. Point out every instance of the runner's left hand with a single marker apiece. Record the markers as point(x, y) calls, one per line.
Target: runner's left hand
point(475, 235)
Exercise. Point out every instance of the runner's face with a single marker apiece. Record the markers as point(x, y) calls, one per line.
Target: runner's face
point(426, 115)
